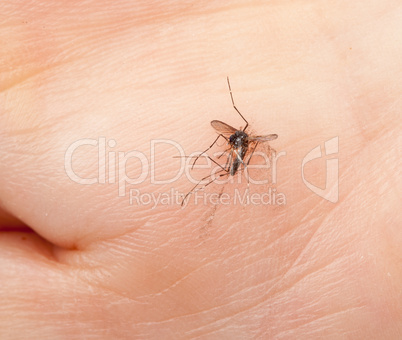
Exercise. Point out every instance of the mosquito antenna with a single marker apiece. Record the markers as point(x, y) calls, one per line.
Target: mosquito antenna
point(234, 106)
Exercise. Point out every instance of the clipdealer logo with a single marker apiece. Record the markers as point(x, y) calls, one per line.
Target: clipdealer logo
point(112, 170)
point(331, 190)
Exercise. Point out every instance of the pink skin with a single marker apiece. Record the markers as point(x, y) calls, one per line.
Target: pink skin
point(97, 266)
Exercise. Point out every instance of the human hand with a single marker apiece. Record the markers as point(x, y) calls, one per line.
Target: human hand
point(97, 266)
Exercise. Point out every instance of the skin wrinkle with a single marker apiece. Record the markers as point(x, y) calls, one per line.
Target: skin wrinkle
point(112, 40)
point(90, 281)
point(52, 66)
point(35, 70)
point(191, 314)
point(210, 220)
point(228, 318)
point(215, 308)
point(277, 284)
point(305, 247)
point(222, 323)
point(331, 315)
point(342, 197)
point(16, 82)
point(349, 75)
point(291, 332)
point(191, 273)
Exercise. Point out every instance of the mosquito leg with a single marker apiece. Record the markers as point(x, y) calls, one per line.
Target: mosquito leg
point(223, 168)
point(248, 162)
point(214, 161)
point(223, 153)
point(221, 175)
point(234, 106)
point(195, 186)
point(229, 161)
point(220, 135)
point(210, 175)
point(204, 186)
point(255, 147)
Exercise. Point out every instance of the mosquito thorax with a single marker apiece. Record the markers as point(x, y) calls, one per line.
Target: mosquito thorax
point(238, 139)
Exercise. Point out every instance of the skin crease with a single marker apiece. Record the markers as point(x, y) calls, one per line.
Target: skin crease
point(96, 266)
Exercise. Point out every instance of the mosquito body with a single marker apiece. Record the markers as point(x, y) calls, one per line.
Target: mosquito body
point(241, 147)
point(239, 144)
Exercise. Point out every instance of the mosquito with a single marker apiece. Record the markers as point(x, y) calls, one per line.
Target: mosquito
point(239, 144)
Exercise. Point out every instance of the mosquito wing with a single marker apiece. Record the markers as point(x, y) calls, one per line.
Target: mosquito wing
point(262, 139)
point(223, 128)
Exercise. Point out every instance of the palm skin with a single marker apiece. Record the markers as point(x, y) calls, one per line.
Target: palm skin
point(96, 266)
